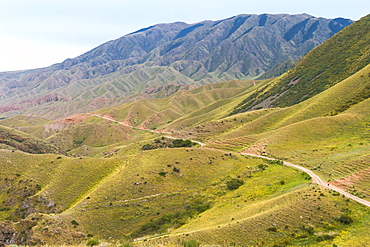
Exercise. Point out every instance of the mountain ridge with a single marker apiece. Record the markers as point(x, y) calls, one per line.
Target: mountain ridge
point(353, 43)
point(240, 47)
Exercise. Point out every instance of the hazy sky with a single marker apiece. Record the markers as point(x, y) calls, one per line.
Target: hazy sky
point(39, 33)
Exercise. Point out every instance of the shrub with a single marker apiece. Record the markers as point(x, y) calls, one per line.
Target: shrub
point(345, 219)
point(234, 184)
point(163, 174)
point(92, 242)
point(191, 243)
point(182, 143)
point(262, 167)
point(272, 229)
point(325, 237)
point(147, 147)
point(38, 187)
point(74, 222)
point(308, 229)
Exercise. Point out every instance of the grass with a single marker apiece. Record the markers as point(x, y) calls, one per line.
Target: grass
point(174, 188)
point(343, 55)
point(15, 139)
point(335, 145)
point(184, 108)
point(59, 181)
point(93, 135)
point(305, 216)
point(106, 193)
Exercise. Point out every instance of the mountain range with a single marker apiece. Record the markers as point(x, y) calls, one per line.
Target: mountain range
point(230, 163)
point(154, 61)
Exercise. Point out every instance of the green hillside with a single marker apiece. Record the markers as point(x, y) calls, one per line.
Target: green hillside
point(106, 193)
point(328, 64)
point(185, 108)
point(329, 132)
point(16, 140)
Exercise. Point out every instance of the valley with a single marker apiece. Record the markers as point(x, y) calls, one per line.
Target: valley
point(244, 160)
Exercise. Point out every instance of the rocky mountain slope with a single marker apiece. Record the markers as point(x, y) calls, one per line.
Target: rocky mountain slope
point(341, 56)
point(240, 47)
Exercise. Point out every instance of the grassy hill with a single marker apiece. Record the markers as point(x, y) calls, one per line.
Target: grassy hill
point(184, 108)
point(106, 193)
point(329, 132)
point(16, 140)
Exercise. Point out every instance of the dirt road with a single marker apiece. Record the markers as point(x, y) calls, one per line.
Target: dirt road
point(316, 179)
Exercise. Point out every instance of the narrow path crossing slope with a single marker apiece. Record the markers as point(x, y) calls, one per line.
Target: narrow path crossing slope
point(315, 178)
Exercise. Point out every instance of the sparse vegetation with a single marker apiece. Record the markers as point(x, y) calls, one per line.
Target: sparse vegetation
point(345, 219)
point(234, 183)
point(191, 243)
point(92, 242)
point(172, 220)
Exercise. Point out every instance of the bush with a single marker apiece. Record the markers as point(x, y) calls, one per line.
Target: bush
point(345, 220)
point(38, 187)
point(163, 174)
point(74, 222)
point(182, 143)
point(191, 243)
point(272, 229)
point(126, 245)
point(147, 147)
point(92, 242)
point(308, 229)
point(262, 167)
point(234, 184)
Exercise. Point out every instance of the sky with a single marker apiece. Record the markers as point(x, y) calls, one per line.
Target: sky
point(39, 33)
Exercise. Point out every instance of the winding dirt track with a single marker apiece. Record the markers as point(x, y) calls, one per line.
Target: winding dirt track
point(315, 178)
